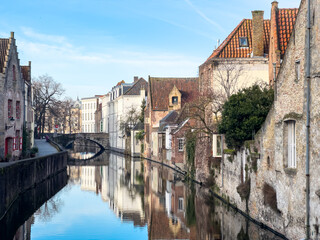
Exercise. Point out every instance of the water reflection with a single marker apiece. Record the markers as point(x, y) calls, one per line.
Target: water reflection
point(126, 198)
point(17, 222)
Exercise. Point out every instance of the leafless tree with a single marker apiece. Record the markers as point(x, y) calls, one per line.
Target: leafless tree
point(46, 93)
point(131, 119)
point(215, 89)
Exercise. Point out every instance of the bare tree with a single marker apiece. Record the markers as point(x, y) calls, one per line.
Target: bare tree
point(215, 89)
point(46, 92)
point(132, 118)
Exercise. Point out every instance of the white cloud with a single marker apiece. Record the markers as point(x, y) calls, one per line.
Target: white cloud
point(204, 16)
point(83, 72)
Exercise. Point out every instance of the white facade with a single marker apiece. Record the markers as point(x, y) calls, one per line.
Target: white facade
point(119, 105)
point(88, 108)
point(105, 113)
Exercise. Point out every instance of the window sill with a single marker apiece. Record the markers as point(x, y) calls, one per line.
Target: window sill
point(290, 171)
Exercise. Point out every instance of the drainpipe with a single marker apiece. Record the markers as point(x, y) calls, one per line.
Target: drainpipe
point(308, 55)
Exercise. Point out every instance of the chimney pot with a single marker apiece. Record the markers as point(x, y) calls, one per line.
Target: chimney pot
point(257, 33)
point(274, 4)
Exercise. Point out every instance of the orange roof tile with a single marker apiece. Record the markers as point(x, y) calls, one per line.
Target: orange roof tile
point(230, 46)
point(4, 44)
point(285, 20)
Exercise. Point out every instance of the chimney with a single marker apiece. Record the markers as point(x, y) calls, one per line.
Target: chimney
point(257, 34)
point(12, 34)
point(135, 78)
point(274, 4)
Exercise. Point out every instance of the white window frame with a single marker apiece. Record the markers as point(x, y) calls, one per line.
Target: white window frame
point(297, 69)
point(180, 204)
point(292, 153)
point(180, 147)
point(215, 138)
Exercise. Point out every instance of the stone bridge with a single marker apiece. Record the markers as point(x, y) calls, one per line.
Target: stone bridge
point(101, 139)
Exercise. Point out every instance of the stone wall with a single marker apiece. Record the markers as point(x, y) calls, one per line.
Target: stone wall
point(288, 214)
point(28, 202)
point(17, 177)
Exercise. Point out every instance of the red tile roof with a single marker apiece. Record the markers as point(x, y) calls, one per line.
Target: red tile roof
point(25, 70)
point(4, 44)
point(161, 87)
point(230, 46)
point(285, 20)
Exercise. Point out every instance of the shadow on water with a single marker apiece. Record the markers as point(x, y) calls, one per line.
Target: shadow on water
point(28, 203)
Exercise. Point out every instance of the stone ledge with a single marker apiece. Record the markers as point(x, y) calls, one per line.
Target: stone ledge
point(290, 171)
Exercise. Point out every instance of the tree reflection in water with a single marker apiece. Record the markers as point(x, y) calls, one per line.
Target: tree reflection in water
point(151, 197)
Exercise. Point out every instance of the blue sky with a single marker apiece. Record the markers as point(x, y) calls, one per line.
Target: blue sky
point(90, 45)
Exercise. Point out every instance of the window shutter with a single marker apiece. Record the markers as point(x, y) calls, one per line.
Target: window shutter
point(20, 144)
point(14, 144)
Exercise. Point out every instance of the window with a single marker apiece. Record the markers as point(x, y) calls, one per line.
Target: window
point(174, 100)
point(216, 145)
point(14, 73)
point(180, 204)
point(297, 69)
point(292, 163)
point(243, 42)
point(18, 110)
point(9, 108)
point(180, 144)
point(17, 140)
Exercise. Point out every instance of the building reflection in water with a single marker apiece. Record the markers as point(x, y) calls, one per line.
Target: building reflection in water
point(149, 194)
point(120, 183)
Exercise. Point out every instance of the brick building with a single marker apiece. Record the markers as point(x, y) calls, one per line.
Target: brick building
point(165, 95)
point(12, 112)
point(245, 57)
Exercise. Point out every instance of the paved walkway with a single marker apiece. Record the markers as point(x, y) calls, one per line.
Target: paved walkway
point(44, 147)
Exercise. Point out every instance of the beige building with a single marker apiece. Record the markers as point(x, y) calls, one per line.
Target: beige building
point(88, 109)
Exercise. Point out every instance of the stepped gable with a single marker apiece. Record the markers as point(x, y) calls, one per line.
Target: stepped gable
point(160, 89)
point(4, 45)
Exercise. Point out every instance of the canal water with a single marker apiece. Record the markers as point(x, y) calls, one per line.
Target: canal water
point(115, 197)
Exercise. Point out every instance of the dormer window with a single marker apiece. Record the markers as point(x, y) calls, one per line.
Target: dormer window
point(175, 100)
point(243, 42)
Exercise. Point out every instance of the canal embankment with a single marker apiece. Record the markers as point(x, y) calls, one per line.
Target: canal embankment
point(19, 176)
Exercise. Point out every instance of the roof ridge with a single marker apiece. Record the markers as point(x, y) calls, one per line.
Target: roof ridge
point(172, 78)
point(288, 8)
point(227, 40)
point(134, 83)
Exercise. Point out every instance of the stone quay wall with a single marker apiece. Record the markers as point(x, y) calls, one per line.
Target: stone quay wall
point(19, 176)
